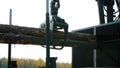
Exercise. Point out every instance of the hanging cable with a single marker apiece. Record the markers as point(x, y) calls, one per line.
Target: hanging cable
point(106, 2)
point(56, 24)
point(118, 5)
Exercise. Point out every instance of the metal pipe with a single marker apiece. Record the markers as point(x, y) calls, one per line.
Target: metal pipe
point(47, 35)
point(9, 44)
point(110, 11)
point(95, 52)
point(101, 12)
point(95, 57)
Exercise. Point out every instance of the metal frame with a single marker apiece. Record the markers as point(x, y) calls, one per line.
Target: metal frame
point(86, 62)
point(93, 31)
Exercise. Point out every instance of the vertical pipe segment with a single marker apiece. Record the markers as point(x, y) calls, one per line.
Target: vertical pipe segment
point(94, 52)
point(110, 11)
point(9, 44)
point(101, 11)
point(47, 35)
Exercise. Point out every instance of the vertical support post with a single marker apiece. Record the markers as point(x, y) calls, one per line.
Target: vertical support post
point(47, 35)
point(101, 11)
point(10, 20)
point(95, 53)
point(95, 58)
point(110, 11)
point(9, 44)
point(53, 62)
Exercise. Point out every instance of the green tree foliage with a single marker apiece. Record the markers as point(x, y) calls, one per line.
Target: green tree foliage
point(30, 63)
point(40, 62)
point(63, 65)
point(3, 63)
